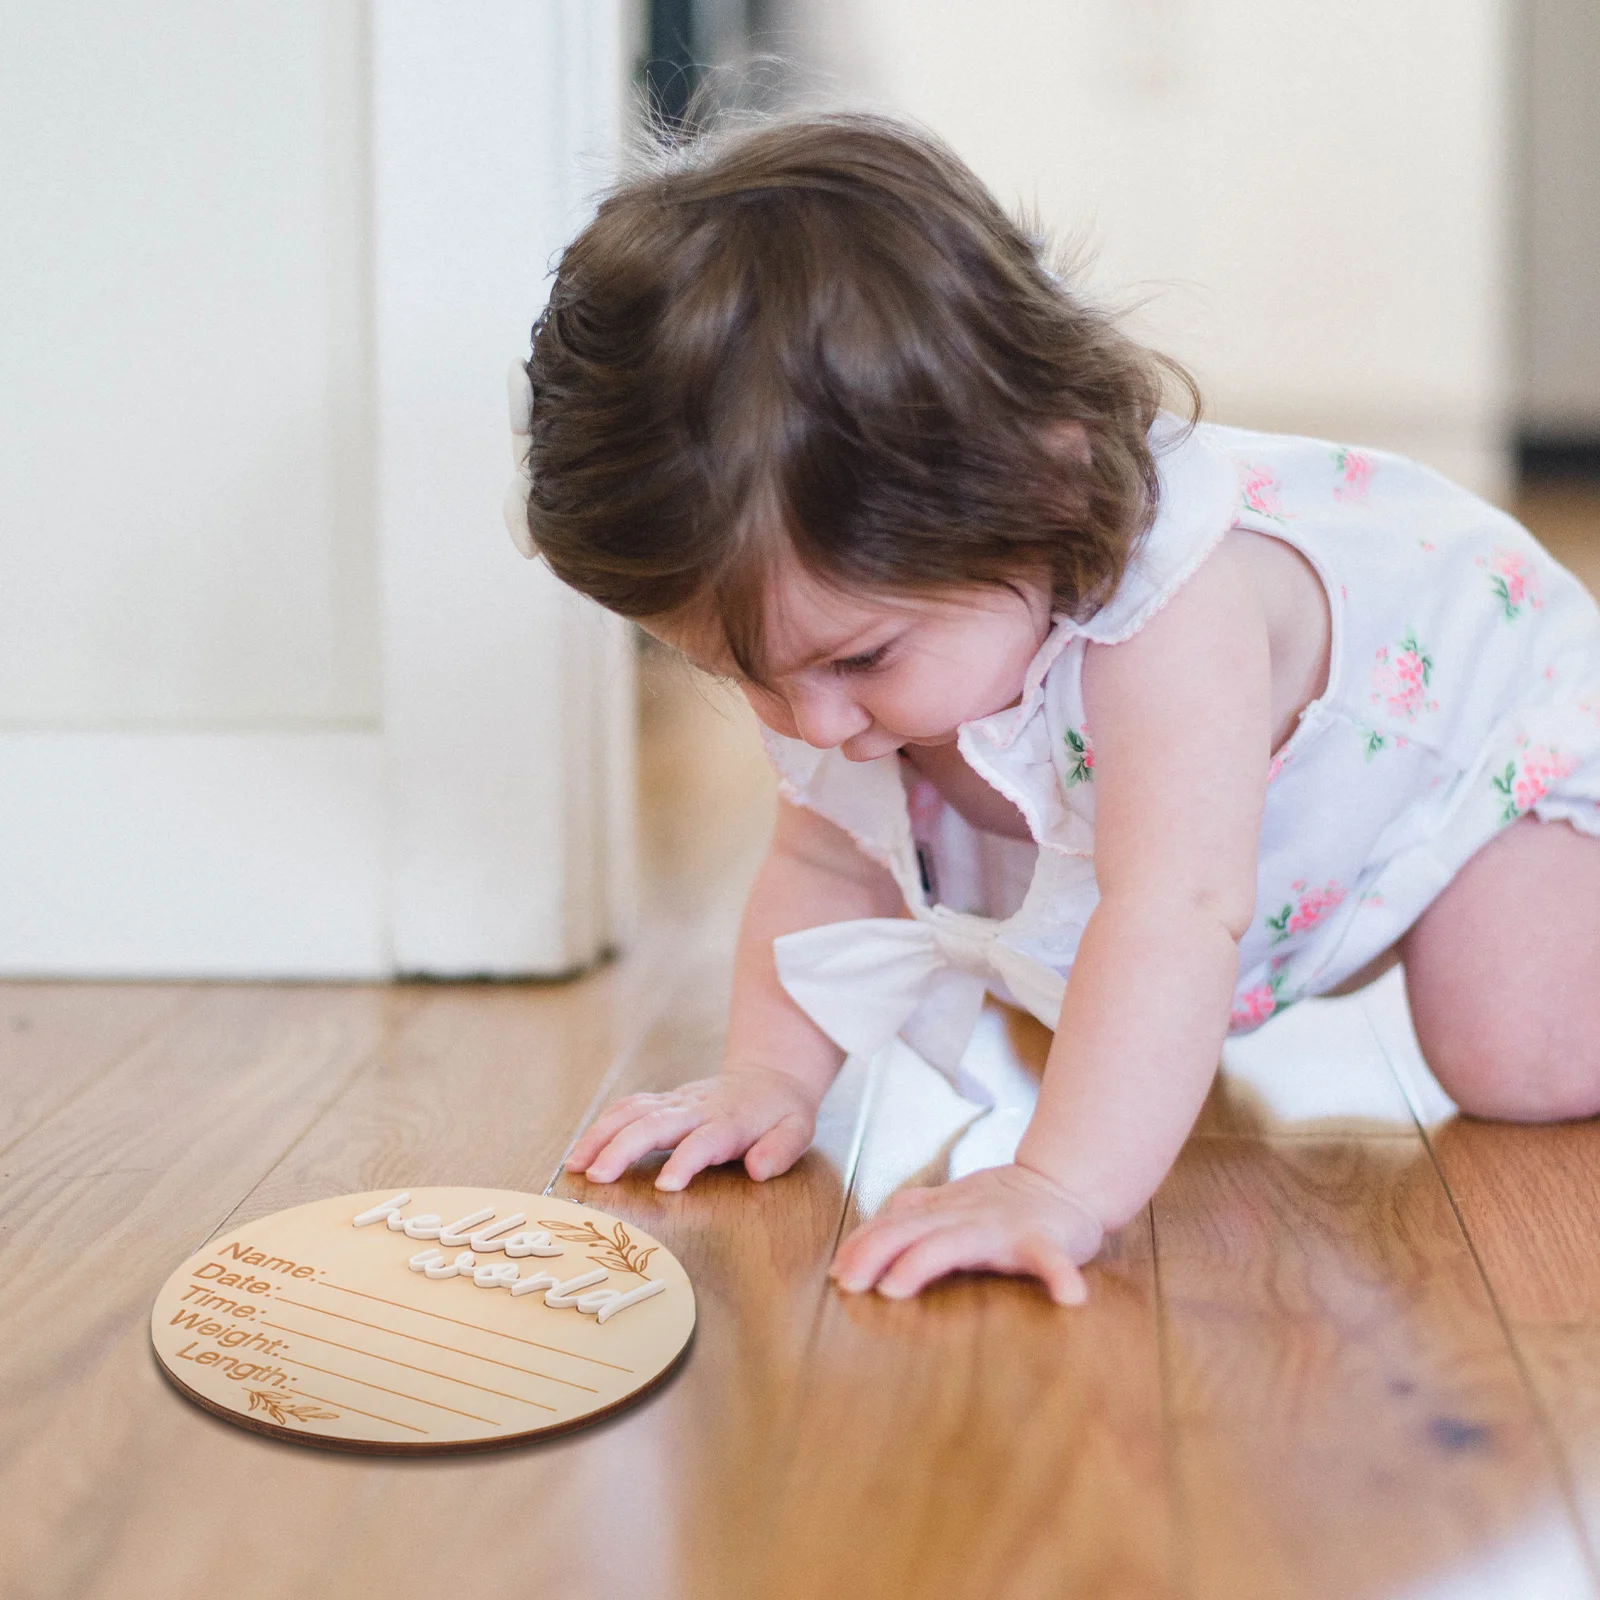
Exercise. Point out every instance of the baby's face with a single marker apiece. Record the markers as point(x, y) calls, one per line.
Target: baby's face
point(867, 675)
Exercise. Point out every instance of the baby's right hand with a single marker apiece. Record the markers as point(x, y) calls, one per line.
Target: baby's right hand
point(765, 1116)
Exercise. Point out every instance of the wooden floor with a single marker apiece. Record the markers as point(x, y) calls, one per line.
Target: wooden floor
point(1351, 1350)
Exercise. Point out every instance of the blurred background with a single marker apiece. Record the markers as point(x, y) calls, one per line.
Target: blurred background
point(276, 697)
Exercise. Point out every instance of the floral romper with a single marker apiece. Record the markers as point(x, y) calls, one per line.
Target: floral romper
point(1463, 692)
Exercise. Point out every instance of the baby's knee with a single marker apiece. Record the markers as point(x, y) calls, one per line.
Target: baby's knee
point(1513, 1073)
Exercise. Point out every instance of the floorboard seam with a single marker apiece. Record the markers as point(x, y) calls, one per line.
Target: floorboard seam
point(362, 1063)
point(869, 1101)
point(115, 1060)
point(1180, 1564)
point(819, 1311)
point(1569, 1489)
point(1546, 1426)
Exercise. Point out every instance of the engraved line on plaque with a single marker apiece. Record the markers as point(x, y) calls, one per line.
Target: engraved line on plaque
point(410, 1366)
point(344, 1405)
point(454, 1350)
point(367, 1383)
point(400, 1305)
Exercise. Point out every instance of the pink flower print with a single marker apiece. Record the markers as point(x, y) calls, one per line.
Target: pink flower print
point(1528, 776)
point(1259, 491)
point(1428, 545)
point(1308, 907)
point(1254, 1006)
point(1080, 756)
point(1355, 476)
point(1401, 677)
point(1515, 581)
point(1277, 764)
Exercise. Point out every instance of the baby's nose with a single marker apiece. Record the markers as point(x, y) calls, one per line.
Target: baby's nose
point(826, 717)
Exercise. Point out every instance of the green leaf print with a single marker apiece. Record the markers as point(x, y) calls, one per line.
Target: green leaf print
point(1279, 926)
point(1081, 767)
point(1375, 742)
point(1506, 785)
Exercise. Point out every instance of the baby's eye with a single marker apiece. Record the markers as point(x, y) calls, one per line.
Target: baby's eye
point(864, 662)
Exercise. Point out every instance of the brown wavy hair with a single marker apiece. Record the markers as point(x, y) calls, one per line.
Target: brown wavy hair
point(825, 335)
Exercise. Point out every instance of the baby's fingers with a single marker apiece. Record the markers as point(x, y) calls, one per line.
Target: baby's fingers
point(656, 1130)
point(1060, 1275)
point(607, 1125)
point(865, 1255)
point(713, 1142)
point(779, 1147)
point(932, 1256)
point(975, 1245)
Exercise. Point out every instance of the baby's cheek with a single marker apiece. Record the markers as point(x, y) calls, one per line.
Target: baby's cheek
point(771, 709)
point(931, 704)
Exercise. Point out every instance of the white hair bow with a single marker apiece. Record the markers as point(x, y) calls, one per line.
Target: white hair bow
point(520, 392)
point(863, 982)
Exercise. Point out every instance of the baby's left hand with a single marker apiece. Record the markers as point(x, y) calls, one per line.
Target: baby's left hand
point(1005, 1219)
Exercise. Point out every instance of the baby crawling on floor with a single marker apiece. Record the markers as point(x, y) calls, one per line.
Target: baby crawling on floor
point(1148, 726)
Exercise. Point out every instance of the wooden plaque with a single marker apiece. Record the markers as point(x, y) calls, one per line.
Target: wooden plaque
point(423, 1321)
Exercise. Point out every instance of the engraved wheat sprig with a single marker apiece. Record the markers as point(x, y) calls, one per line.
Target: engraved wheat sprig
point(276, 1407)
point(615, 1250)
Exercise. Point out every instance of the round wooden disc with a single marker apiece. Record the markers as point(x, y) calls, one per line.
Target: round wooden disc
point(305, 1326)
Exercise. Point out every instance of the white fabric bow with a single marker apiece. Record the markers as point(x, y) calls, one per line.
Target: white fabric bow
point(866, 981)
point(519, 391)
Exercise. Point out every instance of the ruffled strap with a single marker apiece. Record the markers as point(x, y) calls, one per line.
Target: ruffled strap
point(1199, 503)
point(865, 798)
point(1014, 752)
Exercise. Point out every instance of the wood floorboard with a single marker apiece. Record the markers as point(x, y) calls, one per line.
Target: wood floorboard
point(56, 1039)
point(97, 1205)
point(1348, 1417)
point(1530, 1200)
point(977, 1441)
point(484, 1086)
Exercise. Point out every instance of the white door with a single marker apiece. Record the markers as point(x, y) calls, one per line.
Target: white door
point(277, 697)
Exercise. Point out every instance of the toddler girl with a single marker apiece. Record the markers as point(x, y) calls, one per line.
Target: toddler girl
point(1152, 728)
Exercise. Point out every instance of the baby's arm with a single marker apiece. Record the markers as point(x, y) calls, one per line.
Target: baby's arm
point(1182, 727)
point(777, 1063)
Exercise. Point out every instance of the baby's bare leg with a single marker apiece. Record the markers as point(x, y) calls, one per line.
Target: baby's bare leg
point(1503, 974)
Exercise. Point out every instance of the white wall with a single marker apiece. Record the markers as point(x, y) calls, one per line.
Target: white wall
point(1560, 345)
point(1314, 197)
point(185, 507)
